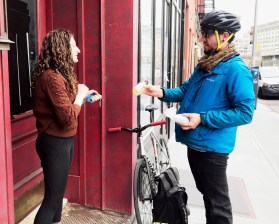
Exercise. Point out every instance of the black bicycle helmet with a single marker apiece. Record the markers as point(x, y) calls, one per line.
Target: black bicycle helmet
point(221, 21)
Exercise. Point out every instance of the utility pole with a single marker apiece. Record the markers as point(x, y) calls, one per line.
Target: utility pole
point(254, 35)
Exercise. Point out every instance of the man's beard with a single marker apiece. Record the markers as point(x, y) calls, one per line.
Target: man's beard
point(209, 51)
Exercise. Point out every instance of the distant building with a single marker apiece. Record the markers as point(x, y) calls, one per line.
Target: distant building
point(267, 45)
point(244, 47)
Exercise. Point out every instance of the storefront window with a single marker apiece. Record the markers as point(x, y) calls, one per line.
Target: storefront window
point(158, 73)
point(145, 58)
point(159, 48)
point(173, 46)
point(22, 30)
point(166, 60)
point(178, 52)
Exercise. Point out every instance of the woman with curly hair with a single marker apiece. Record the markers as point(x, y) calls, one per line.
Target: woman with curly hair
point(57, 101)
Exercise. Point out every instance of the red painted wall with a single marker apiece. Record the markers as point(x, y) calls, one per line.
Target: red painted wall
point(119, 63)
point(190, 37)
point(6, 173)
point(83, 19)
point(90, 132)
point(102, 170)
point(19, 164)
point(23, 136)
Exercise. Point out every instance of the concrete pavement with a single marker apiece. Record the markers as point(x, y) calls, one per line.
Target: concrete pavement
point(253, 172)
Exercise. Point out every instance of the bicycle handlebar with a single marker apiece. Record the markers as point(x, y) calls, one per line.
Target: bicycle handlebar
point(158, 123)
point(139, 129)
point(114, 129)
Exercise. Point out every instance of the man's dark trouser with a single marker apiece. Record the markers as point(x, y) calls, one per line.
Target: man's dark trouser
point(209, 171)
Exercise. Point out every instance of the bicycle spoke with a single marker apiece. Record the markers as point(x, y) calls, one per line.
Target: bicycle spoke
point(164, 159)
point(143, 199)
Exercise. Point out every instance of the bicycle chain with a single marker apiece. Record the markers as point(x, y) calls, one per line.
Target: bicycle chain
point(152, 179)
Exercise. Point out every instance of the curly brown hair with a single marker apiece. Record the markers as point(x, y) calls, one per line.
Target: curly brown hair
point(56, 54)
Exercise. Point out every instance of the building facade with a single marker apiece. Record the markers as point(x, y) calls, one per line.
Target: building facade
point(142, 40)
point(267, 45)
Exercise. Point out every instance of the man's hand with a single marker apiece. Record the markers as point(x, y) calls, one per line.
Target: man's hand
point(194, 121)
point(151, 90)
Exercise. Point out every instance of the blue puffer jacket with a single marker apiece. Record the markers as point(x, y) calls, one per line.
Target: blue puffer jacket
point(224, 98)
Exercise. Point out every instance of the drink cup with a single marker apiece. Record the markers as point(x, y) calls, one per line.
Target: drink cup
point(139, 88)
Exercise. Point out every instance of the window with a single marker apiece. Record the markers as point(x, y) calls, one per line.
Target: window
point(158, 73)
point(4, 41)
point(22, 31)
point(160, 48)
point(3, 30)
point(146, 51)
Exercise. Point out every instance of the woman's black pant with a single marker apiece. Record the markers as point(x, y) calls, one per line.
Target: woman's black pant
point(209, 171)
point(56, 155)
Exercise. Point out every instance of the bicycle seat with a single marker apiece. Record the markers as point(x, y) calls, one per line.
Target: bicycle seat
point(151, 107)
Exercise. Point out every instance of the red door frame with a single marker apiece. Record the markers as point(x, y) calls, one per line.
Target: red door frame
point(6, 173)
point(6, 157)
point(6, 168)
point(105, 162)
point(119, 75)
point(102, 170)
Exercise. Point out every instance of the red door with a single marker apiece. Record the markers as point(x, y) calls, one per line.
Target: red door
point(105, 31)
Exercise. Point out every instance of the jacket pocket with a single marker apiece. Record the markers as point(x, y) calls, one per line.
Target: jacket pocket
point(206, 132)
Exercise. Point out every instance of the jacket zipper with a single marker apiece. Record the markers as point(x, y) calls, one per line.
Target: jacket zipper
point(194, 99)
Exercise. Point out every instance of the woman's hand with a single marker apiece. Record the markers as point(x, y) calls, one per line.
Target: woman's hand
point(95, 97)
point(82, 92)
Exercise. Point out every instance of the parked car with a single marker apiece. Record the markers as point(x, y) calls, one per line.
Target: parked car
point(268, 83)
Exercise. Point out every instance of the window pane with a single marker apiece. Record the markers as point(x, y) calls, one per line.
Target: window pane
point(166, 20)
point(178, 50)
point(146, 45)
point(173, 45)
point(166, 44)
point(158, 54)
point(179, 4)
point(158, 44)
point(23, 53)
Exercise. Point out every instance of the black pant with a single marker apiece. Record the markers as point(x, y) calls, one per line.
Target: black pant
point(209, 171)
point(56, 155)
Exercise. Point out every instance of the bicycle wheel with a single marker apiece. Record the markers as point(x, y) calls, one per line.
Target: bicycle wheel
point(143, 196)
point(164, 156)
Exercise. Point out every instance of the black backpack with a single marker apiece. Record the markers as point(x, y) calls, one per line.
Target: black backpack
point(170, 202)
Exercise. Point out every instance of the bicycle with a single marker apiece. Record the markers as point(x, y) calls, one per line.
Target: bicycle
point(159, 143)
point(146, 172)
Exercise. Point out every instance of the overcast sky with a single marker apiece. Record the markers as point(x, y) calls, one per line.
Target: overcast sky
point(267, 11)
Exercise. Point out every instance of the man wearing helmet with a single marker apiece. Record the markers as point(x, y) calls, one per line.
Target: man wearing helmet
point(217, 98)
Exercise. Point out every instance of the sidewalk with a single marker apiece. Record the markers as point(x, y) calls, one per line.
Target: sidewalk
point(77, 214)
point(253, 173)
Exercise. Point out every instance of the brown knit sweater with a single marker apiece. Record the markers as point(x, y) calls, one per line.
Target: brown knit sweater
point(53, 106)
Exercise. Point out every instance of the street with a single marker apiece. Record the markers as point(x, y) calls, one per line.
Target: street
point(264, 136)
point(272, 104)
